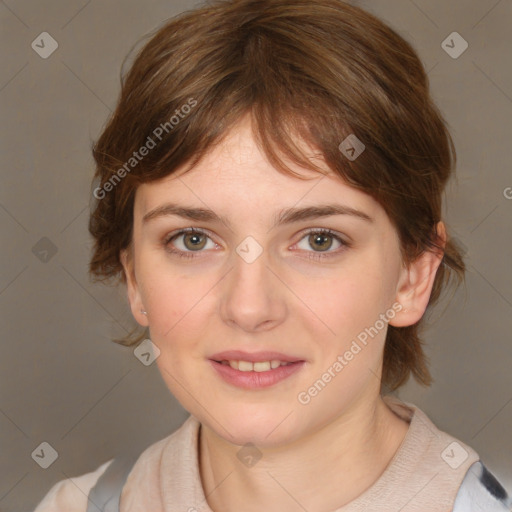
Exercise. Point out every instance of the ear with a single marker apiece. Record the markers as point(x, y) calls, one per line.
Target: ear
point(416, 281)
point(133, 291)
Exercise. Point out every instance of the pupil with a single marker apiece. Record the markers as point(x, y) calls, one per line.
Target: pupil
point(195, 240)
point(319, 238)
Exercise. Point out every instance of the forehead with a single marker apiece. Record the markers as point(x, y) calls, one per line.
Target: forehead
point(236, 175)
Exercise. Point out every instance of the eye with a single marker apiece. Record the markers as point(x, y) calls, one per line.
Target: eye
point(188, 241)
point(321, 241)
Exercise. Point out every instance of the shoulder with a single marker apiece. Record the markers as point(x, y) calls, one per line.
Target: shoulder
point(480, 491)
point(70, 495)
point(141, 470)
point(461, 479)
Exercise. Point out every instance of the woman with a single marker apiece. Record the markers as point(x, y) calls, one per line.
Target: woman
point(269, 189)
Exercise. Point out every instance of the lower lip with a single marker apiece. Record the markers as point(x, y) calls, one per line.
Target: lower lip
point(256, 380)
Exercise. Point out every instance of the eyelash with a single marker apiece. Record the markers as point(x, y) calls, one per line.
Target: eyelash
point(313, 255)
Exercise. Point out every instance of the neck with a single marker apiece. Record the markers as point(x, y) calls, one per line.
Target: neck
point(353, 451)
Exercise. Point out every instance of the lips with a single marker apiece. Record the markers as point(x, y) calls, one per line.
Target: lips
point(254, 380)
point(255, 357)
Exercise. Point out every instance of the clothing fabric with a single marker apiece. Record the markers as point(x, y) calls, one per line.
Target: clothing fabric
point(431, 471)
point(481, 492)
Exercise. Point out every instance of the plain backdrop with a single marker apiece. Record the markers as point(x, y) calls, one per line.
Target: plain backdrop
point(63, 381)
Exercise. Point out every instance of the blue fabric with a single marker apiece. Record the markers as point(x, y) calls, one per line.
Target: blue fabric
point(481, 492)
point(106, 494)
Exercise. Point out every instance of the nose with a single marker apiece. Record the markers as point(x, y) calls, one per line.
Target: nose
point(253, 298)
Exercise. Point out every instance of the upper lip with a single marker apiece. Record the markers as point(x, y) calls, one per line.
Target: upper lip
point(254, 357)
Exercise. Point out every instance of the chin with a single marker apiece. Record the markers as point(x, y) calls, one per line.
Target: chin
point(259, 425)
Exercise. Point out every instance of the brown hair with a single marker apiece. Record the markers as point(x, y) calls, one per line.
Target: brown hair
point(316, 70)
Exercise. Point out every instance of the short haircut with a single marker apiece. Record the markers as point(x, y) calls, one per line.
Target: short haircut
point(316, 71)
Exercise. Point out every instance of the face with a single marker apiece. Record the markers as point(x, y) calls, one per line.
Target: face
point(308, 288)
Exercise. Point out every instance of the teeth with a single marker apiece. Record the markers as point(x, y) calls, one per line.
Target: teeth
point(262, 366)
point(245, 366)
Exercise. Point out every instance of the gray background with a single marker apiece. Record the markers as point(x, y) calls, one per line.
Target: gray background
point(63, 381)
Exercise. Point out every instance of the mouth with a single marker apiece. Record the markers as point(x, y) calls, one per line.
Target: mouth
point(259, 366)
point(255, 371)
point(263, 356)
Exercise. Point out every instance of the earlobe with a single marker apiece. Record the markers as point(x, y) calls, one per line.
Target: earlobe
point(416, 282)
point(132, 288)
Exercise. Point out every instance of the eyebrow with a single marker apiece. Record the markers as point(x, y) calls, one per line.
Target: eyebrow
point(286, 216)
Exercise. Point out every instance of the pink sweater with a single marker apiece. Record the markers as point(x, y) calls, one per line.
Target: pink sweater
point(424, 475)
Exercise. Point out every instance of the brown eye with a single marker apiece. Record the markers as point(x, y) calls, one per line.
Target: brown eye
point(320, 241)
point(318, 244)
point(194, 241)
point(188, 243)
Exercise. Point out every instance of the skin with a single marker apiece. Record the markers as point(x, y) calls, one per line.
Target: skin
point(284, 301)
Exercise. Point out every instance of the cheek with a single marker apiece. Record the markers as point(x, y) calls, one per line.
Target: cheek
point(350, 337)
point(177, 305)
point(347, 299)
point(172, 306)
point(178, 322)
